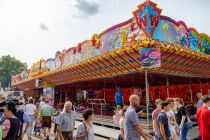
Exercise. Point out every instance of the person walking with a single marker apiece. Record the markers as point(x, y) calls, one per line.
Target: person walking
point(132, 128)
point(21, 103)
point(203, 118)
point(66, 122)
point(119, 97)
point(30, 110)
point(121, 123)
point(155, 114)
point(171, 120)
point(117, 115)
point(2, 106)
point(11, 126)
point(37, 126)
point(199, 103)
point(162, 120)
point(23, 117)
point(46, 115)
point(85, 129)
point(181, 118)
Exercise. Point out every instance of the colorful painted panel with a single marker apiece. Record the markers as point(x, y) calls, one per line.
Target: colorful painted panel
point(50, 64)
point(67, 59)
point(170, 32)
point(204, 44)
point(49, 93)
point(193, 39)
point(110, 41)
point(86, 49)
point(58, 61)
point(72, 56)
point(147, 16)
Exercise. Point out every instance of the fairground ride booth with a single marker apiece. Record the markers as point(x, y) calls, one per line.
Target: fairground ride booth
point(150, 55)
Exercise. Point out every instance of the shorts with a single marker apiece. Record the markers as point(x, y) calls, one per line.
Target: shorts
point(46, 121)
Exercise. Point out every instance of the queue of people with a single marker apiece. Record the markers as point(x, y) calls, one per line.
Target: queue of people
point(170, 120)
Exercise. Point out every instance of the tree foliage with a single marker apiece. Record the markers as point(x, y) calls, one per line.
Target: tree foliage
point(9, 66)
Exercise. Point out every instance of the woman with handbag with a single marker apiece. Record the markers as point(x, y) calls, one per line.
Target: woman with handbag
point(85, 129)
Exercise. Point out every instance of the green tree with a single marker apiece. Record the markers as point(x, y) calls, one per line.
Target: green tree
point(9, 66)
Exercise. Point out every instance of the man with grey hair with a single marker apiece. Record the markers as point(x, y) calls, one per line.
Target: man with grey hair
point(132, 128)
point(66, 122)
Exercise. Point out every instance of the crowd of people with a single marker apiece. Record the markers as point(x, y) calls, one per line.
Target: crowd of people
point(21, 119)
point(24, 118)
point(170, 119)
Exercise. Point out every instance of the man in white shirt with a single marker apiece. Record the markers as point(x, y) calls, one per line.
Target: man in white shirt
point(30, 110)
point(171, 119)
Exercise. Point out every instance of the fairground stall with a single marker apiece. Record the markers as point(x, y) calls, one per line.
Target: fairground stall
point(150, 55)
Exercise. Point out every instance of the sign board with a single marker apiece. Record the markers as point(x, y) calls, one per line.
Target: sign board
point(49, 93)
point(150, 57)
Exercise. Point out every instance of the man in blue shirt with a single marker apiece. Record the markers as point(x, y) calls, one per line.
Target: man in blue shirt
point(119, 97)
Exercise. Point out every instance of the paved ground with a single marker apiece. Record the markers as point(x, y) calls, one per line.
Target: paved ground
point(108, 132)
point(52, 138)
point(113, 133)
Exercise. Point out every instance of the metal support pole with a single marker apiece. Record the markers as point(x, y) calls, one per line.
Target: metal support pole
point(207, 84)
point(167, 90)
point(147, 96)
point(191, 98)
point(201, 90)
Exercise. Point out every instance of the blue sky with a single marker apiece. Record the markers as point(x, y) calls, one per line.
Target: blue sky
point(34, 29)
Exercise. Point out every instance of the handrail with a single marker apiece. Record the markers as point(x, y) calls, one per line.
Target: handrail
point(100, 102)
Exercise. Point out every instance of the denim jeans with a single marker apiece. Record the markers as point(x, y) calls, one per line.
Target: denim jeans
point(29, 130)
point(184, 131)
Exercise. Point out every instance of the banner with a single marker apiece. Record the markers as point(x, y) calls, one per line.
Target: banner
point(49, 94)
point(150, 57)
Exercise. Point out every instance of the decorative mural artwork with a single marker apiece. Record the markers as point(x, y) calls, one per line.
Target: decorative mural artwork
point(62, 56)
point(146, 25)
point(66, 61)
point(50, 64)
point(108, 41)
point(170, 32)
point(21, 76)
point(147, 17)
point(38, 68)
point(193, 39)
point(95, 41)
point(204, 44)
point(86, 51)
point(58, 61)
point(72, 56)
point(124, 36)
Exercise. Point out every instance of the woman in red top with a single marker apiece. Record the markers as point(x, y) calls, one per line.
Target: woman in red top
point(203, 118)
